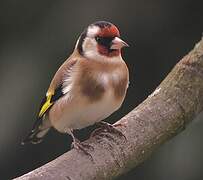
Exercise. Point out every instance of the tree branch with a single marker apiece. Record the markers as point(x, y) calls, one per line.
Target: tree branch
point(175, 102)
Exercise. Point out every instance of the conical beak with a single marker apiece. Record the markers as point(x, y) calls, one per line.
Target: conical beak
point(118, 43)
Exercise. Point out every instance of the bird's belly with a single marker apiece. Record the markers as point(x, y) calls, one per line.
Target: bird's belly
point(81, 115)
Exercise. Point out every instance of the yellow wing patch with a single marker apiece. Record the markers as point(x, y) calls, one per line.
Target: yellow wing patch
point(46, 105)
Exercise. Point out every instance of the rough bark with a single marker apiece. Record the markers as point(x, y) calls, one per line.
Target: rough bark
point(165, 113)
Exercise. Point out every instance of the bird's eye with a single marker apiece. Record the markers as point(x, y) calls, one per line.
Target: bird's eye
point(98, 39)
point(105, 41)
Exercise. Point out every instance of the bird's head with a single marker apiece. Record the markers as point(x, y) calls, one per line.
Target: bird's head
point(100, 40)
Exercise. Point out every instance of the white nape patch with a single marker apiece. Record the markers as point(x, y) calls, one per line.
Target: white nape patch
point(92, 31)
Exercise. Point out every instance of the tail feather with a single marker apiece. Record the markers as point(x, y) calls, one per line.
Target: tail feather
point(35, 136)
point(40, 129)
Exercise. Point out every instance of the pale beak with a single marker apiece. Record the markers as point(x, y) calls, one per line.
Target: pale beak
point(118, 43)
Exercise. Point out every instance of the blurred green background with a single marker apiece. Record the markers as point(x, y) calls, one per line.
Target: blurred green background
point(37, 36)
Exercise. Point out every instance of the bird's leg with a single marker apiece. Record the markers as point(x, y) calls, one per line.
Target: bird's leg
point(79, 145)
point(108, 127)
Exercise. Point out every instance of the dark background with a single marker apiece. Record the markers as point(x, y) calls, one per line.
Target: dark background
point(37, 36)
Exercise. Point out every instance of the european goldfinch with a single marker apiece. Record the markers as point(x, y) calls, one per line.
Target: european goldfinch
point(89, 86)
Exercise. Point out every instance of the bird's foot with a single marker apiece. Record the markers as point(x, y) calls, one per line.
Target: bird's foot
point(109, 128)
point(84, 147)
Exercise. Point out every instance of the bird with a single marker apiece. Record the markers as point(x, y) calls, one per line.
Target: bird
point(87, 88)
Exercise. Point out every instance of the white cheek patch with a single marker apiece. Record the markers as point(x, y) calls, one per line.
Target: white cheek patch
point(90, 48)
point(89, 44)
point(92, 31)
